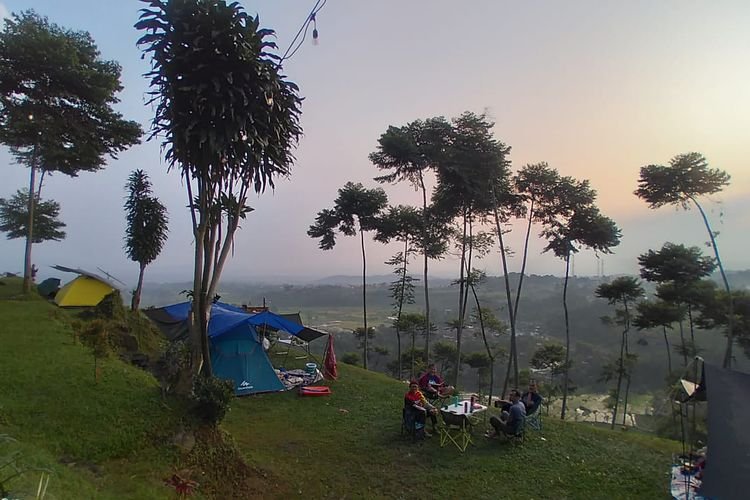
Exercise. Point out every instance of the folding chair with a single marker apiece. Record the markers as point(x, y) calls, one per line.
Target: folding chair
point(457, 430)
point(409, 425)
point(520, 436)
point(534, 421)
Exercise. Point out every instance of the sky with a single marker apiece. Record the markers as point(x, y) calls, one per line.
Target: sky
point(595, 88)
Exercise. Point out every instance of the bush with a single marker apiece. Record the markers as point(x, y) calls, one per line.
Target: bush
point(211, 397)
point(350, 358)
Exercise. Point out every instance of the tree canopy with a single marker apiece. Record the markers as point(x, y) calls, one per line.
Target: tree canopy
point(14, 218)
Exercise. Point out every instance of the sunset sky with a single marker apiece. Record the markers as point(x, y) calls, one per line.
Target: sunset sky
point(595, 88)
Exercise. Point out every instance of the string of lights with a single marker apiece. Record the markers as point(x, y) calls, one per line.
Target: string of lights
point(309, 20)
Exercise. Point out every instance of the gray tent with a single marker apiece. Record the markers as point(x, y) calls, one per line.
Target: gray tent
point(728, 449)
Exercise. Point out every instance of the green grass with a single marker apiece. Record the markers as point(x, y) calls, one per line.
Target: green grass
point(348, 445)
point(101, 439)
point(111, 439)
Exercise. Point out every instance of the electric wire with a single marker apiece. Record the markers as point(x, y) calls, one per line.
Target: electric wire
point(292, 49)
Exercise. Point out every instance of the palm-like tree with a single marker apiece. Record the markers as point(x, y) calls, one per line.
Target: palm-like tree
point(659, 313)
point(473, 182)
point(681, 183)
point(408, 153)
point(229, 120)
point(679, 272)
point(584, 227)
point(622, 291)
point(356, 210)
point(402, 223)
point(147, 227)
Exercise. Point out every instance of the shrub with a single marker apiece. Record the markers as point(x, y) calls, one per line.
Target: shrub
point(350, 358)
point(211, 397)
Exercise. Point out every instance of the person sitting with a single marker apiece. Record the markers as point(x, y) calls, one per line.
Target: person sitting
point(531, 398)
point(415, 402)
point(433, 386)
point(510, 422)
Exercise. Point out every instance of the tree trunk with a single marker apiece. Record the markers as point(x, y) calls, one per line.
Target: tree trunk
point(619, 380)
point(486, 344)
point(27, 278)
point(364, 295)
point(684, 349)
point(730, 323)
point(626, 365)
point(511, 316)
point(461, 286)
point(693, 351)
point(523, 260)
point(425, 221)
point(566, 368)
point(136, 302)
point(669, 354)
point(401, 304)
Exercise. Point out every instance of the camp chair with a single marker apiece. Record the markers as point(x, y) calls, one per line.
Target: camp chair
point(520, 436)
point(409, 425)
point(293, 342)
point(457, 429)
point(534, 421)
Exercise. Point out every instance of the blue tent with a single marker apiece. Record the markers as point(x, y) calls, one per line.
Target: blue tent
point(236, 348)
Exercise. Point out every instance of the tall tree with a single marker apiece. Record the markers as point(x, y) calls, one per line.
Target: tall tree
point(56, 99)
point(682, 182)
point(679, 272)
point(401, 223)
point(659, 313)
point(624, 291)
point(229, 121)
point(14, 218)
point(147, 227)
point(473, 175)
point(408, 153)
point(536, 186)
point(578, 223)
point(356, 211)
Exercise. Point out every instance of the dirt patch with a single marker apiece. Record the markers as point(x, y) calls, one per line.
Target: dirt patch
point(217, 466)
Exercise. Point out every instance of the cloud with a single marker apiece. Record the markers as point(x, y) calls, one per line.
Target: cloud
point(4, 12)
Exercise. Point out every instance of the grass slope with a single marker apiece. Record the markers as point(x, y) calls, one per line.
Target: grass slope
point(110, 439)
point(348, 445)
point(101, 440)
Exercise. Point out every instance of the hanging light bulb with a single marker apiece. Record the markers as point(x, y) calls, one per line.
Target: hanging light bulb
point(315, 40)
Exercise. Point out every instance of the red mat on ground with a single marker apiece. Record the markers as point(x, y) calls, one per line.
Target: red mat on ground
point(315, 390)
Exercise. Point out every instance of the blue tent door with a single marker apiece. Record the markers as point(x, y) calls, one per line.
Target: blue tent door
point(237, 355)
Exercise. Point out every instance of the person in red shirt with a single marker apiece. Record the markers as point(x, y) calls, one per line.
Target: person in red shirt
point(418, 408)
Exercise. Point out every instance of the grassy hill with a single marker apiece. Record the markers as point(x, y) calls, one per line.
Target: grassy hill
point(111, 438)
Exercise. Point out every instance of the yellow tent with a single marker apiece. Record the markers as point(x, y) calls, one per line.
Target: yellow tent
point(86, 290)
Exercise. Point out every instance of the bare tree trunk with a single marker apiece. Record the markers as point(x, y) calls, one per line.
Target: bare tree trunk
point(669, 354)
point(684, 349)
point(693, 352)
point(566, 368)
point(425, 221)
point(511, 316)
point(364, 294)
point(626, 365)
point(136, 302)
point(27, 278)
point(523, 260)
point(619, 379)
point(461, 286)
point(401, 303)
point(730, 323)
point(486, 344)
